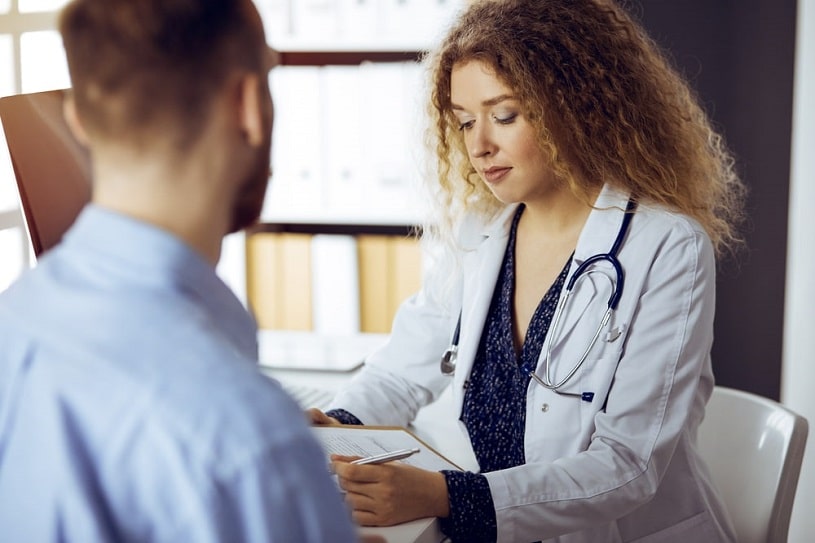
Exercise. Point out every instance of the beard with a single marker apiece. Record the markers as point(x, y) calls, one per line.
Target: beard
point(249, 198)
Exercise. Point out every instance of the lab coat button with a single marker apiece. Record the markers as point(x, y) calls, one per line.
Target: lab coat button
point(545, 407)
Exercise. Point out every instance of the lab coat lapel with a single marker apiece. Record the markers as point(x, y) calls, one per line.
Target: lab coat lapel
point(478, 291)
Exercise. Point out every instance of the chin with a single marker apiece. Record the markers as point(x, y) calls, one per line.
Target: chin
point(505, 197)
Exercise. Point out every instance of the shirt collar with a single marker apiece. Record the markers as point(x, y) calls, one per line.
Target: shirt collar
point(138, 253)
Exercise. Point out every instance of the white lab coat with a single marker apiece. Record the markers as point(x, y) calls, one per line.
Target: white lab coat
point(629, 473)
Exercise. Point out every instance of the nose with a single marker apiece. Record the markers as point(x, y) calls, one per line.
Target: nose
point(480, 142)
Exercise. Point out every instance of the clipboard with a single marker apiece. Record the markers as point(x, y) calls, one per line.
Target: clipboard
point(359, 440)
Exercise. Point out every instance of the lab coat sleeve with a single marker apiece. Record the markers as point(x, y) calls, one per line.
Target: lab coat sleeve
point(656, 398)
point(404, 375)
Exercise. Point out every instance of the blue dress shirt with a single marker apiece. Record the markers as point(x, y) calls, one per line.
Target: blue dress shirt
point(132, 409)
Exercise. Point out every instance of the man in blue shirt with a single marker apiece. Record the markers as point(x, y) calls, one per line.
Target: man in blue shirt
point(131, 406)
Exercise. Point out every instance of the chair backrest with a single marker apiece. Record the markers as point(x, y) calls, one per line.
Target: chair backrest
point(51, 167)
point(754, 447)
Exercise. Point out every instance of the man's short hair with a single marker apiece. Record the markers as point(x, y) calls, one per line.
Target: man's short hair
point(142, 69)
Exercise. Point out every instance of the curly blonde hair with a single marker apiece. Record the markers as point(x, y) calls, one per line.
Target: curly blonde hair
point(606, 104)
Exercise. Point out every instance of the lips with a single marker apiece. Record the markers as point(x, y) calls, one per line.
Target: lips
point(494, 174)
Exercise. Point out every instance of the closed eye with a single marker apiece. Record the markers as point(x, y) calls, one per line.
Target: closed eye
point(507, 119)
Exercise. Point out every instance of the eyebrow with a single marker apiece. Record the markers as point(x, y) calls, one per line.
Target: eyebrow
point(489, 102)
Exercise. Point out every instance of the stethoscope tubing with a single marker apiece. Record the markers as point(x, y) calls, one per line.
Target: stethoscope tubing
point(448, 360)
point(613, 300)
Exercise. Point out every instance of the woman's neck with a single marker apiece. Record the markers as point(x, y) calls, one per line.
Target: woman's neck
point(561, 214)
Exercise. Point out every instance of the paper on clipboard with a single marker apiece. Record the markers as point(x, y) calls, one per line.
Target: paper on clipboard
point(351, 440)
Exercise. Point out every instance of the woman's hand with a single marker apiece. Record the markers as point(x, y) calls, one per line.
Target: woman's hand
point(391, 493)
point(318, 418)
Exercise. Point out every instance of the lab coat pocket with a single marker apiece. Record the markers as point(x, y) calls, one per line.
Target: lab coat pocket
point(563, 421)
point(596, 379)
point(594, 384)
point(553, 427)
point(699, 527)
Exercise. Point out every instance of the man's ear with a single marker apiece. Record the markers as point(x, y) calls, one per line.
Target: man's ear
point(72, 119)
point(251, 109)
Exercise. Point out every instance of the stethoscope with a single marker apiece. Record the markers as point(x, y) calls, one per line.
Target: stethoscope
point(448, 359)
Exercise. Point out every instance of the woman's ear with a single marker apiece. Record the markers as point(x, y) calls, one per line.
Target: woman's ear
point(251, 109)
point(72, 119)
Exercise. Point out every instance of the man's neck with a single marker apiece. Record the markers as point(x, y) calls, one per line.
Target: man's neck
point(182, 203)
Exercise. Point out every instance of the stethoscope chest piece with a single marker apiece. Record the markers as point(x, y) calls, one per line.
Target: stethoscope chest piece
point(448, 360)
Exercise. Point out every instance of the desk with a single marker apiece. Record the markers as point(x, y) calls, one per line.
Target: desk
point(435, 424)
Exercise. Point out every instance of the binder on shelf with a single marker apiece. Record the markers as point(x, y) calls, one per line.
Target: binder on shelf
point(295, 185)
point(278, 281)
point(276, 16)
point(406, 262)
point(359, 22)
point(386, 148)
point(343, 165)
point(403, 21)
point(315, 21)
point(375, 313)
point(335, 285)
point(389, 272)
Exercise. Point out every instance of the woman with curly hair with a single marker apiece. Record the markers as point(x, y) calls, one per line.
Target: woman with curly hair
point(581, 198)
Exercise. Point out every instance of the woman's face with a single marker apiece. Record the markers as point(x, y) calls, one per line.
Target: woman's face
point(500, 141)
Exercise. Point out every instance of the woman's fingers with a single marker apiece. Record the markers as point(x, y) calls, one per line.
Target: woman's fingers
point(318, 418)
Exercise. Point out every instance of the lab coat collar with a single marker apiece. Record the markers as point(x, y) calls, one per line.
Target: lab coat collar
point(598, 233)
point(603, 224)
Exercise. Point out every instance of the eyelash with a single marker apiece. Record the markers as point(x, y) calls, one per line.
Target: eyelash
point(500, 120)
point(506, 120)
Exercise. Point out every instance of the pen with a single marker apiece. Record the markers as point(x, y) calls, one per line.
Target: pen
point(386, 457)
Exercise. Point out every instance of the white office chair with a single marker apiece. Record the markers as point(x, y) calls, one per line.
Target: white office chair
point(754, 447)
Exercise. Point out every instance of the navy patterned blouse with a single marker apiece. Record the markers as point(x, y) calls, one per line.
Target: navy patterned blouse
point(494, 409)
